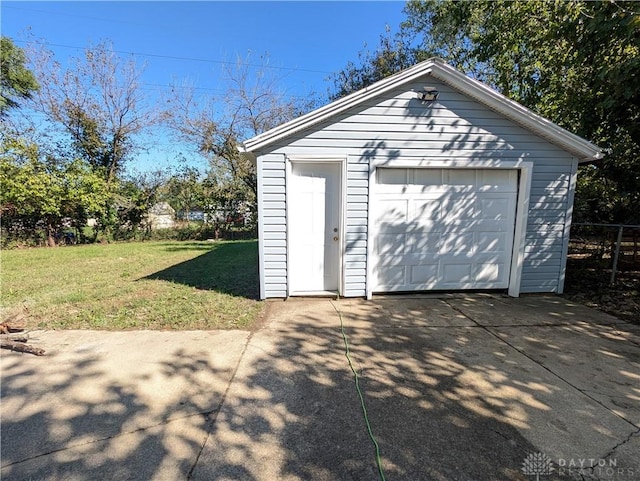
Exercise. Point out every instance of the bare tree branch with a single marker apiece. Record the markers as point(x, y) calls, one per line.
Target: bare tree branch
point(252, 104)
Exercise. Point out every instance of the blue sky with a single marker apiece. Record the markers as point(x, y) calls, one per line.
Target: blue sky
point(305, 41)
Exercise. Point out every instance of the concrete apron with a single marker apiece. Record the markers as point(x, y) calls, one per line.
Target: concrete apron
point(467, 387)
point(500, 378)
point(113, 405)
point(461, 388)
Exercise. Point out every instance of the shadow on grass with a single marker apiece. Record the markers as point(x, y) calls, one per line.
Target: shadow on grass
point(226, 267)
point(177, 246)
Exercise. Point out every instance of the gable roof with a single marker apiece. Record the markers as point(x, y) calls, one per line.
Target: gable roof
point(437, 68)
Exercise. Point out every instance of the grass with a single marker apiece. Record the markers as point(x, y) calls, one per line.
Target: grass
point(150, 285)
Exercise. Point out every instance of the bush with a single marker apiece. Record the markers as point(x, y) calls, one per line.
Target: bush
point(199, 231)
point(192, 231)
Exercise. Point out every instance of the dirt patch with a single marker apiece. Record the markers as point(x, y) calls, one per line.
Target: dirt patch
point(588, 282)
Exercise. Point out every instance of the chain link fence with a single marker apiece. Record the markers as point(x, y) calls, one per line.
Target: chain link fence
point(614, 247)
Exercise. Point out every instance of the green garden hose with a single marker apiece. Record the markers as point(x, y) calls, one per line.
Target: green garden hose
point(347, 353)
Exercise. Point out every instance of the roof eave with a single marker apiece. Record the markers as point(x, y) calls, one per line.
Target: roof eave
point(338, 106)
point(583, 149)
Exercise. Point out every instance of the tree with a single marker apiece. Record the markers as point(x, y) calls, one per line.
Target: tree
point(226, 203)
point(184, 191)
point(40, 192)
point(391, 56)
point(97, 101)
point(133, 200)
point(573, 62)
point(16, 81)
point(252, 104)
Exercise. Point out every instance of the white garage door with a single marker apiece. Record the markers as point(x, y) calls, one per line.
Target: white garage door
point(443, 228)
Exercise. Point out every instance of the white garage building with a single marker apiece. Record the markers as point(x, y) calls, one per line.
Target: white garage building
point(426, 180)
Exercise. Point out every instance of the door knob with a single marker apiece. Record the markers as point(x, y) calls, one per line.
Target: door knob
point(335, 238)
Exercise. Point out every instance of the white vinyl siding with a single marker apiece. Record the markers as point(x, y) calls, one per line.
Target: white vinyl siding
point(397, 125)
point(272, 225)
point(544, 260)
point(355, 252)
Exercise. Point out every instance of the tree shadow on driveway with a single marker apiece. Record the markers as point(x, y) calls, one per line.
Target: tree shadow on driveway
point(446, 400)
point(113, 405)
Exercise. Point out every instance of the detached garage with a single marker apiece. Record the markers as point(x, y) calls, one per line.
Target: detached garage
point(426, 180)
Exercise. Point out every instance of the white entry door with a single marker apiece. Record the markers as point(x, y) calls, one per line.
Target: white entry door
point(314, 227)
point(444, 228)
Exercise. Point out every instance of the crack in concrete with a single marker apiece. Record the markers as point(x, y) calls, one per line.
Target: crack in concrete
point(213, 415)
point(497, 336)
point(210, 418)
point(605, 393)
point(107, 438)
point(590, 471)
point(622, 443)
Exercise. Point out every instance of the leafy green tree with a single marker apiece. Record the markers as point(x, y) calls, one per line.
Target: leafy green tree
point(97, 104)
point(392, 55)
point(574, 62)
point(16, 81)
point(184, 191)
point(133, 200)
point(41, 193)
point(227, 203)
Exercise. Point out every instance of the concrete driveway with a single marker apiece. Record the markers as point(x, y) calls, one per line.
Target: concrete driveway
point(463, 387)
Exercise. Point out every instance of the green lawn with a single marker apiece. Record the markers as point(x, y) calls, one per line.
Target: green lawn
point(150, 285)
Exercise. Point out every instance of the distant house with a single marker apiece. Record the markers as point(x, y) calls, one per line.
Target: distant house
point(161, 216)
point(426, 180)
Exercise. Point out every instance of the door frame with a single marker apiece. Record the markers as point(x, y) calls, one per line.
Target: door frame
point(341, 161)
point(525, 169)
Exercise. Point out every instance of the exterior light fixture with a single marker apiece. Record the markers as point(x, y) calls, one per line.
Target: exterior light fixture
point(429, 95)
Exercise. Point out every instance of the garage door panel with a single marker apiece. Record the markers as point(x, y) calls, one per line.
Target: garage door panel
point(460, 177)
point(426, 177)
point(489, 225)
point(392, 275)
point(426, 209)
point(491, 242)
point(494, 208)
point(423, 275)
point(391, 261)
point(456, 243)
point(445, 241)
point(489, 272)
point(472, 276)
point(391, 244)
point(460, 207)
point(400, 276)
point(454, 274)
point(393, 176)
point(419, 243)
point(423, 226)
point(497, 179)
point(393, 210)
point(444, 229)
